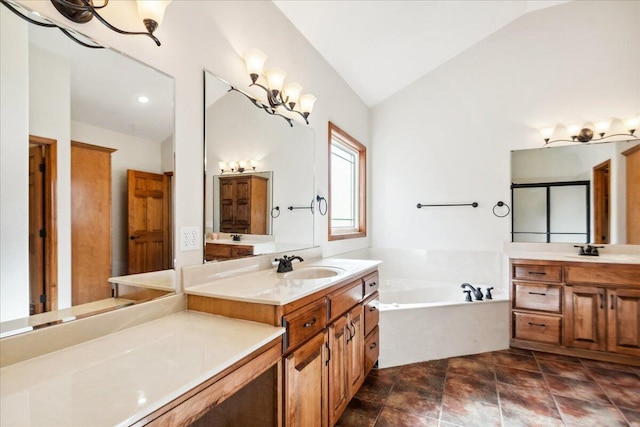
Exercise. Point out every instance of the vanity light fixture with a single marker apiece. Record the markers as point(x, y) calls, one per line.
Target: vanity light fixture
point(584, 134)
point(82, 11)
point(238, 167)
point(281, 97)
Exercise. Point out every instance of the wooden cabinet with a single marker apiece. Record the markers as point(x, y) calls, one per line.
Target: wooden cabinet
point(578, 308)
point(222, 251)
point(243, 204)
point(306, 384)
point(330, 344)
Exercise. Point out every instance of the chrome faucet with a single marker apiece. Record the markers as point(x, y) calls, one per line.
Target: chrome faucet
point(477, 293)
point(284, 263)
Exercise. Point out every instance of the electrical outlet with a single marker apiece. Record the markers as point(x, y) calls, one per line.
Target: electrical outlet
point(190, 238)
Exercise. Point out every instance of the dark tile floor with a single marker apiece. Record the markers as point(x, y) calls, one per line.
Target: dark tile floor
point(506, 388)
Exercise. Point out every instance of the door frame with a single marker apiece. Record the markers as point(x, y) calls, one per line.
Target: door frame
point(602, 202)
point(50, 220)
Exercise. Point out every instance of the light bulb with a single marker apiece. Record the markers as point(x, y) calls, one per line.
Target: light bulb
point(603, 126)
point(254, 164)
point(242, 164)
point(222, 166)
point(546, 133)
point(152, 10)
point(632, 123)
point(306, 103)
point(291, 93)
point(574, 129)
point(275, 79)
point(255, 59)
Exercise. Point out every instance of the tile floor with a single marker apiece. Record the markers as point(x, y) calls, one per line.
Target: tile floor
point(506, 388)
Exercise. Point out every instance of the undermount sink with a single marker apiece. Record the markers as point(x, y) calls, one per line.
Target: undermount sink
point(310, 273)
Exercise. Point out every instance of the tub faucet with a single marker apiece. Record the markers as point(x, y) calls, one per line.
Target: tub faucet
point(477, 293)
point(284, 263)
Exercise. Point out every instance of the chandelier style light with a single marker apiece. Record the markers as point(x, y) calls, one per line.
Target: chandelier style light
point(82, 11)
point(282, 98)
point(584, 134)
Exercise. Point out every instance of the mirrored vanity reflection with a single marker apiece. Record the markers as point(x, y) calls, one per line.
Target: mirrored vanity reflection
point(99, 184)
point(576, 193)
point(256, 167)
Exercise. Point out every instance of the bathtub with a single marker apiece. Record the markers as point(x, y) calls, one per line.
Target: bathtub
point(427, 322)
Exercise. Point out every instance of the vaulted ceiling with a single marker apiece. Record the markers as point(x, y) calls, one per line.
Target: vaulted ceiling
point(380, 47)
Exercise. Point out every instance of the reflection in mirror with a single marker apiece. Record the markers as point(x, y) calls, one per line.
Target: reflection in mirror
point(574, 193)
point(107, 166)
point(237, 131)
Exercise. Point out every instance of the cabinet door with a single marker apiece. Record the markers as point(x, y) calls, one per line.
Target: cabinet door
point(227, 201)
point(355, 350)
point(585, 317)
point(306, 385)
point(339, 336)
point(243, 202)
point(623, 321)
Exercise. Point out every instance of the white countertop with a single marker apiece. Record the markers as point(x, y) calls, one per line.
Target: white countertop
point(555, 256)
point(163, 280)
point(119, 378)
point(269, 287)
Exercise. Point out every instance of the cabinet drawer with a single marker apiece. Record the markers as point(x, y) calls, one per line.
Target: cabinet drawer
point(371, 313)
point(241, 251)
point(610, 274)
point(371, 349)
point(344, 299)
point(537, 327)
point(371, 283)
point(214, 250)
point(304, 323)
point(539, 273)
point(538, 296)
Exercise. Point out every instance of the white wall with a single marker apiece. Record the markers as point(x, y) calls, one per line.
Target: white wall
point(14, 109)
point(447, 137)
point(212, 35)
point(50, 117)
point(131, 153)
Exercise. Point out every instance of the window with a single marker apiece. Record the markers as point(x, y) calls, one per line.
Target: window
point(347, 186)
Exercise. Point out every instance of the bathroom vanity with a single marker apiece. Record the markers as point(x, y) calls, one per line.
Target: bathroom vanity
point(577, 305)
point(329, 309)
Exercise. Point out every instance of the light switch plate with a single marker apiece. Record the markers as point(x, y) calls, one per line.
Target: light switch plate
point(190, 238)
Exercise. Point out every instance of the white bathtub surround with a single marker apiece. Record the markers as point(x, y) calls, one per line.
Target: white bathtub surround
point(432, 320)
point(417, 333)
point(122, 377)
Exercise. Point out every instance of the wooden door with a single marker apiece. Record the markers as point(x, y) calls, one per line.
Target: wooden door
point(623, 321)
point(601, 190)
point(633, 194)
point(339, 336)
point(91, 232)
point(243, 201)
point(306, 384)
point(227, 202)
point(585, 317)
point(355, 350)
point(37, 293)
point(149, 223)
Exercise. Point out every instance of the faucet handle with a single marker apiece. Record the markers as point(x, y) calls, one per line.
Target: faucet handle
point(581, 252)
point(488, 293)
point(468, 297)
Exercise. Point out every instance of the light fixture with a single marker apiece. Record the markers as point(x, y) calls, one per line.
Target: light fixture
point(282, 98)
point(81, 11)
point(584, 134)
point(237, 166)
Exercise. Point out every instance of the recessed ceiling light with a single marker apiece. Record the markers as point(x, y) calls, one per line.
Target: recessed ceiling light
point(143, 99)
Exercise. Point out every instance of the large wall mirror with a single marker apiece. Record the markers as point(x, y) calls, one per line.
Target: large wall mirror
point(102, 126)
point(574, 193)
point(253, 205)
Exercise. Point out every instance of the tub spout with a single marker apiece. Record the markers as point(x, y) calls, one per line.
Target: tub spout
point(477, 293)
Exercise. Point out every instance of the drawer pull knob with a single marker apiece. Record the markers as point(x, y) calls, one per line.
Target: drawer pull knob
point(539, 273)
point(537, 293)
point(542, 325)
point(372, 308)
point(372, 284)
point(372, 346)
point(309, 324)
